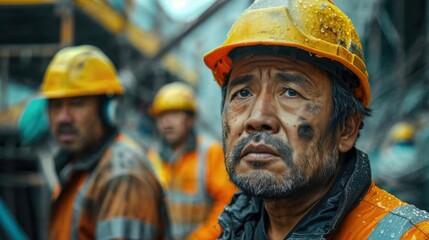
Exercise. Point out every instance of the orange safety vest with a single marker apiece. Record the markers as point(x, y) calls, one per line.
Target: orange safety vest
point(116, 196)
point(197, 188)
point(381, 215)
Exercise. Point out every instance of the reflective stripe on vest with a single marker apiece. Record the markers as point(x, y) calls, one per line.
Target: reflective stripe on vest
point(124, 228)
point(80, 198)
point(199, 198)
point(397, 222)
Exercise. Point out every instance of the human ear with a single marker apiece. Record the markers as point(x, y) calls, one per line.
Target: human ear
point(349, 134)
point(190, 122)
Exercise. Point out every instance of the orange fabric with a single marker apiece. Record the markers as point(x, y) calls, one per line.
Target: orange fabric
point(120, 187)
point(61, 217)
point(420, 231)
point(158, 167)
point(376, 204)
point(220, 188)
point(182, 176)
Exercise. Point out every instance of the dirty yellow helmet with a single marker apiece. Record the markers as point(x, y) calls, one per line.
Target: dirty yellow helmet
point(174, 96)
point(402, 131)
point(315, 26)
point(80, 71)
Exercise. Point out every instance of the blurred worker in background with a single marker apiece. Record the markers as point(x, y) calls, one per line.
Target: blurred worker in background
point(295, 93)
point(399, 168)
point(107, 188)
point(190, 166)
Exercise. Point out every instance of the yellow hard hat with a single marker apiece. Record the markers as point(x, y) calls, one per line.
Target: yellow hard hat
point(402, 131)
point(174, 96)
point(80, 71)
point(315, 26)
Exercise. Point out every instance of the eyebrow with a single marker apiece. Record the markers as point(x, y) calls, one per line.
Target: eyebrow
point(294, 78)
point(240, 80)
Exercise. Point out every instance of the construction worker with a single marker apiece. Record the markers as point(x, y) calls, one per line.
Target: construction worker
point(295, 93)
point(400, 170)
point(190, 166)
point(107, 188)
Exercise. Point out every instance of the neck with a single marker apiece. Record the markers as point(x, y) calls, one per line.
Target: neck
point(284, 214)
point(182, 146)
point(179, 148)
point(98, 138)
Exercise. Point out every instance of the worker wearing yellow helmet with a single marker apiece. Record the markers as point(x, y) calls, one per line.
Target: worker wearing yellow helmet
point(400, 168)
point(106, 187)
point(402, 132)
point(189, 165)
point(295, 92)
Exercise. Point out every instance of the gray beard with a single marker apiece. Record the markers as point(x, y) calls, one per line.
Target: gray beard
point(267, 185)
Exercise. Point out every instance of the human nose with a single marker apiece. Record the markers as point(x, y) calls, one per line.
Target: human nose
point(64, 114)
point(263, 116)
point(164, 120)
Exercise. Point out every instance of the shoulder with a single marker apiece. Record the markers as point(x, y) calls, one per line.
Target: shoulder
point(124, 158)
point(381, 215)
point(125, 143)
point(209, 144)
point(128, 152)
point(397, 218)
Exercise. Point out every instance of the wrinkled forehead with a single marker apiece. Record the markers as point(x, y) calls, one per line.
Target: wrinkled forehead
point(293, 55)
point(278, 62)
point(282, 68)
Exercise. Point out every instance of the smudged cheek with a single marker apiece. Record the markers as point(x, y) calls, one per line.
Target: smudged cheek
point(235, 117)
point(313, 109)
point(317, 114)
point(310, 122)
point(231, 130)
point(291, 125)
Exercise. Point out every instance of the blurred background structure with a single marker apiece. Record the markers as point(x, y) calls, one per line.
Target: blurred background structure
point(154, 42)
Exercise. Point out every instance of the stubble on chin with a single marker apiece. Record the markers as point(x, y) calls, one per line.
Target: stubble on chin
point(261, 182)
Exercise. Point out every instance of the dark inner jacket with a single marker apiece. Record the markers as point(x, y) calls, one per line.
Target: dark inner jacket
point(244, 217)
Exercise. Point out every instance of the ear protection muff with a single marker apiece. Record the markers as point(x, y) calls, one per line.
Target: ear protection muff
point(109, 110)
point(33, 123)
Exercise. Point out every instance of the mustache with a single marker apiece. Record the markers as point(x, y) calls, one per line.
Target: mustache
point(66, 128)
point(285, 151)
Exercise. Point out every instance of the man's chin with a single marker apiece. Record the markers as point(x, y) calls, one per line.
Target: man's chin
point(263, 184)
point(170, 138)
point(69, 147)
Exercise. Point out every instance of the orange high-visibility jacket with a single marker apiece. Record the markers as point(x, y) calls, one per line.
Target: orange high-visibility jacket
point(109, 194)
point(354, 208)
point(198, 189)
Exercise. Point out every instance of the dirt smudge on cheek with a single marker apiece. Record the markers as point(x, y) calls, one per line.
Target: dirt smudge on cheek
point(305, 130)
point(312, 108)
point(226, 129)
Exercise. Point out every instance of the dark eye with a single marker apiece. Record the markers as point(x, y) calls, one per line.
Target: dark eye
point(242, 93)
point(77, 102)
point(54, 104)
point(291, 93)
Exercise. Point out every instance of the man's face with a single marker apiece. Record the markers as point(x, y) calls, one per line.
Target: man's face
point(75, 122)
point(275, 122)
point(174, 126)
